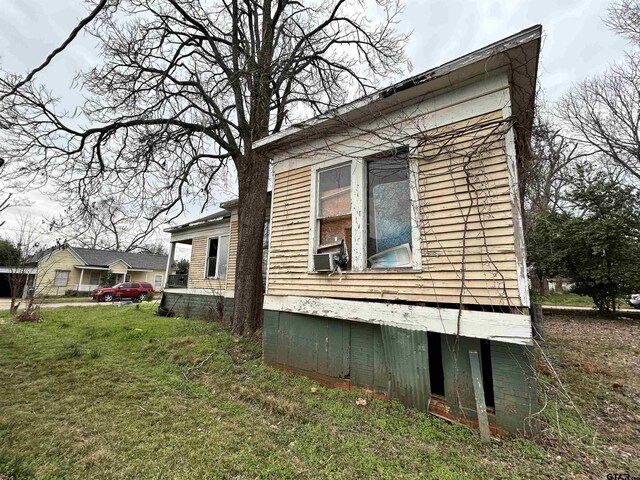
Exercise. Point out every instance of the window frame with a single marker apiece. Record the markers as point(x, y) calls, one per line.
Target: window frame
point(359, 207)
point(155, 281)
point(206, 258)
point(314, 223)
point(55, 278)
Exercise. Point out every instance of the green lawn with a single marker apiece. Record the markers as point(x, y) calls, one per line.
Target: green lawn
point(119, 393)
point(66, 299)
point(563, 299)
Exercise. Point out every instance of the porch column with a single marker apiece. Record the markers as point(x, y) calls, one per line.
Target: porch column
point(80, 281)
point(172, 252)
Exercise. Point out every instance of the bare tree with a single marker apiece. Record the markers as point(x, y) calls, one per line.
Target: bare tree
point(4, 204)
point(186, 86)
point(604, 114)
point(110, 224)
point(22, 276)
point(624, 18)
point(550, 170)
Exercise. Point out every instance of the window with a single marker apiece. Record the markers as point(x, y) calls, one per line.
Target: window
point(372, 204)
point(388, 212)
point(157, 282)
point(95, 278)
point(127, 277)
point(217, 257)
point(334, 208)
point(61, 278)
point(135, 285)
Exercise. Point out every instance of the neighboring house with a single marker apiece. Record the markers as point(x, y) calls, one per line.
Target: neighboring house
point(214, 241)
point(413, 191)
point(66, 269)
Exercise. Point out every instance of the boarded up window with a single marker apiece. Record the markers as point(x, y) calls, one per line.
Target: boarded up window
point(334, 208)
point(388, 212)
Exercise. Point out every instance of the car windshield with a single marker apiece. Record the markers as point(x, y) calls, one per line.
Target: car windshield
point(119, 285)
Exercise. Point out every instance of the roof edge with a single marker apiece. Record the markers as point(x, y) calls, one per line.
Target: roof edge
point(482, 54)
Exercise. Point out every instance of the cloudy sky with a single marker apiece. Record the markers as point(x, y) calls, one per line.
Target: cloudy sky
point(576, 45)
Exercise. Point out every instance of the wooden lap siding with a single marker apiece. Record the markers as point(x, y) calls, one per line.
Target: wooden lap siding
point(465, 219)
point(233, 251)
point(199, 256)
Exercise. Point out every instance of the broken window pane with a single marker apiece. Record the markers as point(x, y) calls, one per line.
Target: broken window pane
point(334, 186)
point(388, 212)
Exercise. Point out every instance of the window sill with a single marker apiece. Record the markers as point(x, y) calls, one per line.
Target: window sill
point(372, 270)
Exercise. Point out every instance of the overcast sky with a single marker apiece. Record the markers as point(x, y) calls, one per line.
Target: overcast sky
point(576, 45)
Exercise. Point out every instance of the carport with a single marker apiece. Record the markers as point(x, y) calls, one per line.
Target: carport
point(29, 274)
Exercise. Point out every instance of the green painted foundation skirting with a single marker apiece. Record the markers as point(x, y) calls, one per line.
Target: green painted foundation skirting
point(201, 306)
point(396, 363)
point(393, 362)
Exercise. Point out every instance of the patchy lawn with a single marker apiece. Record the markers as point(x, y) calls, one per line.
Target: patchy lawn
point(563, 299)
point(118, 393)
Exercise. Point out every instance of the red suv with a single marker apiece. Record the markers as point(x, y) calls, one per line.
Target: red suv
point(138, 290)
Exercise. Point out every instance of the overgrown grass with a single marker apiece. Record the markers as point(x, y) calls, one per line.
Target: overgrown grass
point(119, 393)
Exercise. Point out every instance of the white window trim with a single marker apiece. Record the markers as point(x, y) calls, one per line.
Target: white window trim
point(155, 280)
point(359, 208)
point(314, 231)
point(206, 258)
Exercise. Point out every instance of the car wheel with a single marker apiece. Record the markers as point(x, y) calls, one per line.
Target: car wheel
point(108, 297)
point(142, 297)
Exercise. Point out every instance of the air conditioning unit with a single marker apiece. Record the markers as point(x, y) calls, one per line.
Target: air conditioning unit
point(324, 262)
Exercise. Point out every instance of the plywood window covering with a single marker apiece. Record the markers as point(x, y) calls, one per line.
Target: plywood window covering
point(217, 257)
point(61, 278)
point(334, 206)
point(389, 228)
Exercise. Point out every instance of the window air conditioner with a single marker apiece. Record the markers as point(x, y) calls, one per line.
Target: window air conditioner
point(324, 262)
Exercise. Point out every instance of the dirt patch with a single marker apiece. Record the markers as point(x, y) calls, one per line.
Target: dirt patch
point(598, 361)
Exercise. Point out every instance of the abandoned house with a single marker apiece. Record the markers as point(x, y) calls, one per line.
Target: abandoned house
point(396, 258)
point(213, 240)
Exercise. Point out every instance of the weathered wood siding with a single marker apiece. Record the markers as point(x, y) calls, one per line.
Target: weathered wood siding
point(466, 223)
point(198, 260)
point(233, 251)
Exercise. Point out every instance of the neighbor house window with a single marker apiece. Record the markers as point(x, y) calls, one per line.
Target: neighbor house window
point(95, 278)
point(217, 256)
point(61, 278)
point(127, 277)
point(158, 281)
point(388, 212)
point(334, 208)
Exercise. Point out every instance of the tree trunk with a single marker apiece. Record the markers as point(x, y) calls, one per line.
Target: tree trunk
point(253, 179)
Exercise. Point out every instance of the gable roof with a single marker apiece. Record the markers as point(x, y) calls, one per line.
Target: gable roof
point(518, 52)
point(136, 261)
